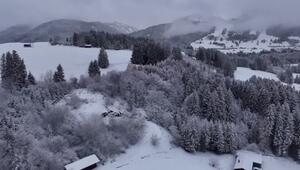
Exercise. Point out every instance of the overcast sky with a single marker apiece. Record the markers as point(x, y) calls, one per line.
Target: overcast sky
point(143, 13)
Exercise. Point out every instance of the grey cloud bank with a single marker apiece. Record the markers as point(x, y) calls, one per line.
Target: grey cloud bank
point(143, 13)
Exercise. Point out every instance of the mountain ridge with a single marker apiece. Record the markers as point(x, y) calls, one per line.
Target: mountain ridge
point(59, 29)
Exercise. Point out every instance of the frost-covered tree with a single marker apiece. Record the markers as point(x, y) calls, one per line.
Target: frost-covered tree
point(176, 53)
point(191, 104)
point(31, 79)
point(267, 127)
point(93, 69)
point(283, 132)
point(218, 140)
point(59, 75)
point(103, 61)
point(13, 71)
point(297, 135)
point(148, 52)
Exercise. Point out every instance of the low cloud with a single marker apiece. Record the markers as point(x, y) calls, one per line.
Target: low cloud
point(143, 13)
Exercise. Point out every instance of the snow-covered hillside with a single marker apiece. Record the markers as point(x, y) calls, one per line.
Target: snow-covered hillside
point(165, 156)
point(220, 40)
point(43, 57)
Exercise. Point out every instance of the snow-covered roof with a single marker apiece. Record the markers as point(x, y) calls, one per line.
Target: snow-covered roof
point(245, 160)
point(83, 163)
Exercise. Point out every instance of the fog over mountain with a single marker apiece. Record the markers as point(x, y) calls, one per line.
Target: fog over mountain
point(143, 13)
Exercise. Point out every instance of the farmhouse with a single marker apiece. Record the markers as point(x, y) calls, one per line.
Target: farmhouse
point(87, 163)
point(87, 46)
point(246, 160)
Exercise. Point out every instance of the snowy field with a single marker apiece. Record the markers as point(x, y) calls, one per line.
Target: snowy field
point(43, 58)
point(244, 74)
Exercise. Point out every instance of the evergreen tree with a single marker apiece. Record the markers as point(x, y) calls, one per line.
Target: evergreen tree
point(220, 111)
point(21, 75)
point(138, 54)
point(191, 104)
point(31, 79)
point(297, 79)
point(103, 59)
point(13, 71)
point(3, 67)
point(148, 52)
point(267, 127)
point(75, 39)
point(176, 54)
point(59, 75)
point(297, 134)
point(93, 69)
point(201, 55)
point(283, 133)
point(218, 141)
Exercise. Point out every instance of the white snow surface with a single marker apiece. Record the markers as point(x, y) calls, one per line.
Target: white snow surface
point(93, 104)
point(165, 156)
point(244, 74)
point(244, 160)
point(43, 57)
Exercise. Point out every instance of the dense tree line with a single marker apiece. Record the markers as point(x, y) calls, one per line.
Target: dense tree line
point(149, 52)
point(217, 59)
point(104, 40)
point(266, 61)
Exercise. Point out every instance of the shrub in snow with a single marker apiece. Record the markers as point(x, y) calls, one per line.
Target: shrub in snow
point(154, 140)
point(253, 148)
point(75, 102)
point(54, 118)
point(214, 163)
point(107, 139)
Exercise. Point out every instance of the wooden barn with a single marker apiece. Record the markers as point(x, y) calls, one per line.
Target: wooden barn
point(27, 45)
point(87, 163)
point(246, 160)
